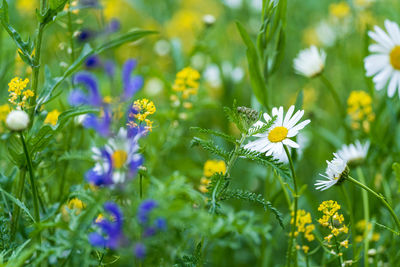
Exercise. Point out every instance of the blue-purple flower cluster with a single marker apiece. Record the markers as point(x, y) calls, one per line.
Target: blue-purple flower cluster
point(119, 160)
point(111, 232)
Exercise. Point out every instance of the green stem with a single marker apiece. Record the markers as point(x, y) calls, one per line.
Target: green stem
point(335, 95)
point(17, 210)
point(295, 198)
point(379, 196)
point(351, 215)
point(216, 192)
point(71, 33)
point(366, 217)
point(285, 192)
point(338, 251)
point(32, 179)
point(36, 63)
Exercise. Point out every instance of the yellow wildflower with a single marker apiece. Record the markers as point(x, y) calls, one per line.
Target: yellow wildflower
point(345, 243)
point(214, 166)
point(304, 224)
point(333, 220)
point(187, 82)
point(359, 108)
point(17, 93)
point(141, 109)
point(52, 117)
point(339, 10)
point(204, 182)
point(26, 6)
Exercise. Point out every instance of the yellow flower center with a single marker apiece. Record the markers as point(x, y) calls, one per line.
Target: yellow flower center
point(278, 134)
point(119, 158)
point(395, 57)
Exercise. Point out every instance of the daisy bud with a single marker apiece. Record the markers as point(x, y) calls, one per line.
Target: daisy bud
point(17, 120)
point(251, 114)
point(208, 20)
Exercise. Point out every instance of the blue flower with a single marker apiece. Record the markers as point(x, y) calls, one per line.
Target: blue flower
point(111, 231)
point(85, 35)
point(109, 68)
point(117, 162)
point(161, 224)
point(77, 97)
point(92, 62)
point(144, 209)
point(101, 174)
point(113, 26)
point(140, 251)
point(131, 84)
point(100, 124)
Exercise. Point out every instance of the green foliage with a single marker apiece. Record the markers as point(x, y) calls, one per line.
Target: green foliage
point(25, 47)
point(211, 147)
point(255, 198)
point(267, 161)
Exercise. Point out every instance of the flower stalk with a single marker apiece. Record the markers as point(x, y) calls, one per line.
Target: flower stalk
point(334, 94)
point(32, 179)
point(380, 197)
point(295, 200)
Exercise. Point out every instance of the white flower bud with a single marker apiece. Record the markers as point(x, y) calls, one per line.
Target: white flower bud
point(209, 19)
point(17, 120)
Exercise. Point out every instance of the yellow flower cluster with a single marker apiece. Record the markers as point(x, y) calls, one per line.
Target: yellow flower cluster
point(18, 95)
point(186, 82)
point(339, 10)
point(143, 108)
point(333, 220)
point(52, 117)
point(359, 107)
point(76, 205)
point(211, 167)
point(4, 110)
point(361, 234)
point(304, 224)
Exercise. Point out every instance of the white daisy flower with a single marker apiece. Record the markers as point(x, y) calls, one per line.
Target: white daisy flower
point(384, 64)
point(117, 161)
point(335, 173)
point(354, 152)
point(279, 134)
point(310, 62)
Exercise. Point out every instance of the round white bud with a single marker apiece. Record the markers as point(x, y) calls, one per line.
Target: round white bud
point(17, 120)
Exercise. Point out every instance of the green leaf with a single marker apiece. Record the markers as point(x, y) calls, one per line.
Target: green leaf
point(51, 84)
point(216, 133)
point(25, 48)
point(396, 170)
point(18, 203)
point(211, 147)
point(46, 133)
point(256, 77)
point(255, 198)
point(299, 100)
point(269, 161)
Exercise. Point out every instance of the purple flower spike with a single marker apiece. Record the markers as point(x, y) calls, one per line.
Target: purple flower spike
point(112, 235)
point(140, 251)
point(131, 84)
point(144, 209)
point(93, 97)
point(101, 125)
point(109, 67)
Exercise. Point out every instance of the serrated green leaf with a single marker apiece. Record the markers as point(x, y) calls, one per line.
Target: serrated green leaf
point(216, 133)
point(18, 203)
point(260, 158)
point(211, 147)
